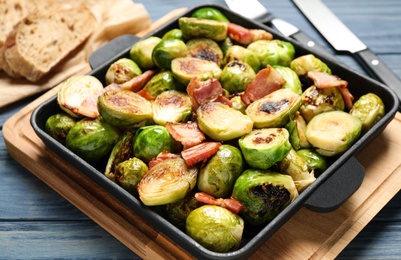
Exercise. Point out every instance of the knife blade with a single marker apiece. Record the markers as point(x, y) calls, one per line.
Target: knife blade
point(343, 40)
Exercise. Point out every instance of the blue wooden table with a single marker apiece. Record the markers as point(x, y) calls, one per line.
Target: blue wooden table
point(37, 223)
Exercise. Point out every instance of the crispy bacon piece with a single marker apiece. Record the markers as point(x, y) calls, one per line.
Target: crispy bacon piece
point(266, 81)
point(188, 134)
point(137, 83)
point(164, 155)
point(325, 80)
point(204, 91)
point(200, 152)
point(145, 94)
point(245, 36)
point(231, 204)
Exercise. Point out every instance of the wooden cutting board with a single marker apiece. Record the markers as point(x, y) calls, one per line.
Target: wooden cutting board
point(306, 235)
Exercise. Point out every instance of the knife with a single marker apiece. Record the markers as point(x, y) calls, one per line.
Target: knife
point(253, 9)
point(342, 39)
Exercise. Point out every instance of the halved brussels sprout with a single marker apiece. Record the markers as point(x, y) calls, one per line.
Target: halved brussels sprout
point(215, 228)
point(166, 51)
point(291, 79)
point(161, 82)
point(184, 69)
point(264, 194)
point(236, 76)
point(58, 126)
point(171, 106)
point(173, 34)
point(303, 64)
point(167, 182)
point(141, 52)
point(297, 128)
point(221, 122)
point(151, 140)
point(129, 173)
point(73, 93)
point(315, 161)
point(122, 71)
point(205, 49)
point(273, 52)
point(333, 132)
point(210, 13)
point(124, 107)
point(369, 108)
point(92, 139)
point(218, 176)
point(262, 148)
point(275, 109)
point(202, 28)
point(237, 52)
point(318, 100)
point(295, 166)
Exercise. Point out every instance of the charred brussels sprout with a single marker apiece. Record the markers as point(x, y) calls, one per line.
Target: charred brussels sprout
point(166, 51)
point(122, 71)
point(58, 126)
point(202, 28)
point(141, 52)
point(184, 69)
point(333, 132)
point(151, 140)
point(217, 178)
point(318, 100)
point(129, 173)
point(237, 52)
point(303, 64)
point(275, 109)
point(173, 34)
point(124, 107)
point(210, 13)
point(262, 148)
point(221, 122)
point(171, 106)
point(315, 161)
point(236, 76)
point(92, 139)
point(264, 194)
point(161, 82)
point(215, 228)
point(273, 52)
point(205, 49)
point(167, 182)
point(369, 109)
point(291, 79)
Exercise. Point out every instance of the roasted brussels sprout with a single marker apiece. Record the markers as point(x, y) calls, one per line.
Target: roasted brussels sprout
point(226, 44)
point(237, 52)
point(221, 122)
point(171, 106)
point(129, 173)
point(291, 79)
point(315, 161)
point(333, 132)
point(122, 71)
point(238, 104)
point(236, 76)
point(303, 64)
point(273, 52)
point(167, 182)
point(296, 126)
point(167, 50)
point(264, 194)
point(124, 107)
point(202, 28)
point(151, 140)
point(262, 148)
point(218, 176)
point(318, 100)
point(92, 139)
point(73, 93)
point(58, 126)
point(369, 108)
point(141, 52)
point(275, 109)
point(205, 49)
point(173, 34)
point(184, 69)
point(215, 228)
point(295, 166)
point(210, 13)
point(161, 82)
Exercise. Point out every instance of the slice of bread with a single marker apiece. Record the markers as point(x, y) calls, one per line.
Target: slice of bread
point(45, 37)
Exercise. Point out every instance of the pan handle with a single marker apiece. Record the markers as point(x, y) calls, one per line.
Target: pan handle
point(337, 188)
point(111, 50)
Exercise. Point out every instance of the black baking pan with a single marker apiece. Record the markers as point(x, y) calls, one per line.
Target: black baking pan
point(327, 193)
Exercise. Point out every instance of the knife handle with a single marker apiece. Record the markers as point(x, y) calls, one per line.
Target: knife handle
point(306, 40)
point(378, 69)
